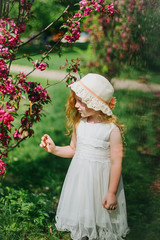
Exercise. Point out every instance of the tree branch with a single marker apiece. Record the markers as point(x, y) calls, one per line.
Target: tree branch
point(16, 144)
point(7, 9)
point(30, 72)
point(53, 84)
point(46, 55)
point(1, 6)
point(35, 36)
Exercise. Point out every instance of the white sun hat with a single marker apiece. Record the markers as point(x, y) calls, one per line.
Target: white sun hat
point(96, 92)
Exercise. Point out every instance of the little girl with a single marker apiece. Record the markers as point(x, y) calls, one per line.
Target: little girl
point(92, 202)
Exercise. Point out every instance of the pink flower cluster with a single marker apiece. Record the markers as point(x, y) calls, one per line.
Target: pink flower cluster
point(9, 36)
point(7, 87)
point(83, 3)
point(2, 167)
point(131, 5)
point(3, 69)
point(38, 97)
point(111, 9)
point(74, 33)
point(97, 6)
point(37, 93)
point(5, 126)
point(77, 15)
point(41, 66)
point(11, 89)
point(86, 7)
point(6, 118)
point(16, 135)
point(22, 81)
point(21, 77)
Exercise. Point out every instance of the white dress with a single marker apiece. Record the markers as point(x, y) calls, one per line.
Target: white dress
point(80, 209)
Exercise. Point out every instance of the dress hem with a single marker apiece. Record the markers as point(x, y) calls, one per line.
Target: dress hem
point(102, 234)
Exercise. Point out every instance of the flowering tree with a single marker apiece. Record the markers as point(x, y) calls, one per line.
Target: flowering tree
point(15, 88)
point(117, 41)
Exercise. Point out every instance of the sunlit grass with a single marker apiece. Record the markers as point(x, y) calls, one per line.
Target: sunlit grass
point(54, 61)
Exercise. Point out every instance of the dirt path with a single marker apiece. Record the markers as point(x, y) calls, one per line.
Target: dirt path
point(59, 75)
point(135, 85)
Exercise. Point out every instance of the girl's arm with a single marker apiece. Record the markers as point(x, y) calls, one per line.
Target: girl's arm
point(66, 151)
point(116, 151)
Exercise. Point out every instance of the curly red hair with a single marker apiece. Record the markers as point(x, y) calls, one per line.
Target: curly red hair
point(74, 117)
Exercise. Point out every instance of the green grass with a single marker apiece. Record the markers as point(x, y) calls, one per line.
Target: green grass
point(55, 61)
point(31, 171)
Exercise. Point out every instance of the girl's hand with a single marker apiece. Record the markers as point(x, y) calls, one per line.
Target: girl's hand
point(110, 201)
point(47, 144)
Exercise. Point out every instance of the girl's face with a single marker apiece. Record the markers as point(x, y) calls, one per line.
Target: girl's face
point(83, 109)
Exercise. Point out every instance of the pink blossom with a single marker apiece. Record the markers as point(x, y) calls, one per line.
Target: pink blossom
point(129, 18)
point(2, 112)
point(121, 55)
point(97, 6)
point(2, 39)
point(111, 9)
point(101, 1)
point(9, 37)
point(123, 35)
point(77, 15)
point(5, 52)
point(108, 59)
point(9, 106)
point(82, 3)
point(21, 77)
point(21, 28)
point(6, 118)
point(3, 69)
point(109, 50)
point(16, 134)
point(143, 38)
point(37, 93)
point(8, 88)
point(2, 167)
point(87, 11)
point(26, 86)
point(41, 66)
point(75, 37)
point(74, 33)
point(108, 20)
point(2, 135)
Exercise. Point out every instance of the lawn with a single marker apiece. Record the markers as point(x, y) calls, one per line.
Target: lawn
point(32, 185)
point(54, 61)
point(82, 51)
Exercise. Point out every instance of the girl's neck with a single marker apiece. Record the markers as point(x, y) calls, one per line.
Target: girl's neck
point(94, 119)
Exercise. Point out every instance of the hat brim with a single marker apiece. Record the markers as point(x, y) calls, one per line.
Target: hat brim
point(89, 99)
